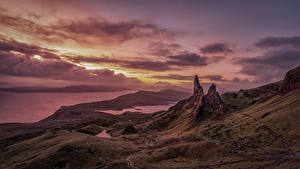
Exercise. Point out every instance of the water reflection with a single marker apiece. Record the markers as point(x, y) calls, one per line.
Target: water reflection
point(103, 134)
point(143, 109)
point(31, 107)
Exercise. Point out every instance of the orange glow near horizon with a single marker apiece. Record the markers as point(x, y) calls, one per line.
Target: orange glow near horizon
point(73, 40)
point(37, 57)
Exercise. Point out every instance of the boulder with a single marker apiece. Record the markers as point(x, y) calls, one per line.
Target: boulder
point(130, 129)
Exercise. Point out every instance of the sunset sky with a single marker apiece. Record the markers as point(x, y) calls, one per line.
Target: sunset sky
point(148, 44)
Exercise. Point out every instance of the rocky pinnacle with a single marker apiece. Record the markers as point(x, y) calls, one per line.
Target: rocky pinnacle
point(197, 85)
point(203, 104)
point(197, 97)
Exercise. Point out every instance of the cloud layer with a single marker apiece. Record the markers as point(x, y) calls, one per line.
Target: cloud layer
point(216, 48)
point(271, 66)
point(172, 62)
point(50, 66)
point(278, 41)
point(90, 41)
point(90, 31)
point(212, 78)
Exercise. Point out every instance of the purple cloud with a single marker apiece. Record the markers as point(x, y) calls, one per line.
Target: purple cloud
point(278, 41)
point(216, 48)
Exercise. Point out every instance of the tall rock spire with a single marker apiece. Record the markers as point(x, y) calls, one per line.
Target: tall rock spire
point(197, 97)
point(197, 86)
point(204, 105)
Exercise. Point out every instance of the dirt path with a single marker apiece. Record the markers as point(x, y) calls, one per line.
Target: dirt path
point(130, 160)
point(142, 149)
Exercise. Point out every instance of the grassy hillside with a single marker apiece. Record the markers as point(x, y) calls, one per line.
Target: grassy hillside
point(262, 135)
point(64, 149)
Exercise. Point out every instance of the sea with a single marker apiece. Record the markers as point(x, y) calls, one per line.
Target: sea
point(32, 107)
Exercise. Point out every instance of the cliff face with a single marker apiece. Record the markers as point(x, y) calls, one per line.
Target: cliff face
point(291, 81)
point(205, 104)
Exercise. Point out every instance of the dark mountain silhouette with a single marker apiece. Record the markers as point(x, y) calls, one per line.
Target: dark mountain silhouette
point(67, 89)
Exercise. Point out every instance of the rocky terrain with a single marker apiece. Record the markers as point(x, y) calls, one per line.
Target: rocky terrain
point(253, 128)
point(291, 81)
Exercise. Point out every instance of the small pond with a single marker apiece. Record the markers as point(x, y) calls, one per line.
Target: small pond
point(103, 134)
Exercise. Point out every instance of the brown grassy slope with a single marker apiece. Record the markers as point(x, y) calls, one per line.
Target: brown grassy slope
point(64, 149)
point(262, 135)
point(178, 118)
point(244, 98)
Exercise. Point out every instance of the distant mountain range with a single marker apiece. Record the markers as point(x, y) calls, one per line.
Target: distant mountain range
point(67, 89)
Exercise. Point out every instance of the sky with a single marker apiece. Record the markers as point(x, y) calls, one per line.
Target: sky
point(148, 44)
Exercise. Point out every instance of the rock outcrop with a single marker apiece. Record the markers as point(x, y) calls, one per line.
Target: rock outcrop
point(212, 99)
point(203, 105)
point(291, 81)
point(197, 86)
point(197, 98)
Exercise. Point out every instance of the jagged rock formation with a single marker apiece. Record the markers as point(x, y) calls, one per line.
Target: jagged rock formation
point(197, 86)
point(197, 98)
point(205, 104)
point(212, 99)
point(291, 81)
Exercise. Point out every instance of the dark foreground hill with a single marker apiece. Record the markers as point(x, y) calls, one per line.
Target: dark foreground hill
point(253, 128)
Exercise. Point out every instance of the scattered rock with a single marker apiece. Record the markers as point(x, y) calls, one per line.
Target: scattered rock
point(265, 115)
point(130, 129)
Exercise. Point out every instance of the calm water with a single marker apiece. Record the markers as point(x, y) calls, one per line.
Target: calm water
point(31, 107)
point(103, 134)
point(144, 109)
